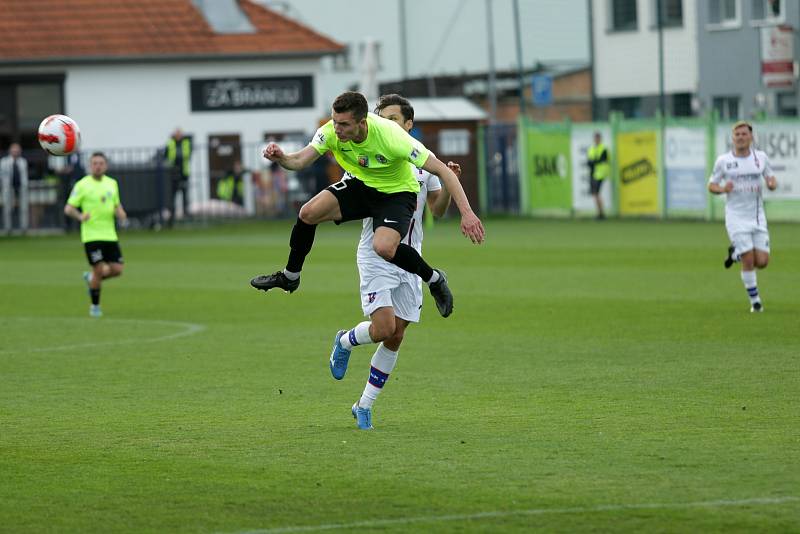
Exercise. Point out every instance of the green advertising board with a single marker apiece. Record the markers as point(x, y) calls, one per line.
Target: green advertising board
point(549, 171)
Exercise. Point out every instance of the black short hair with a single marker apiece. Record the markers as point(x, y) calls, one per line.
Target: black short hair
point(353, 102)
point(396, 100)
point(100, 154)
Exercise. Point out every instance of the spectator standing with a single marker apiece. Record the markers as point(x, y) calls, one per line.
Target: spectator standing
point(14, 187)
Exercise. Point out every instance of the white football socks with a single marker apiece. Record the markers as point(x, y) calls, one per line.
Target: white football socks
point(383, 362)
point(749, 281)
point(357, 336)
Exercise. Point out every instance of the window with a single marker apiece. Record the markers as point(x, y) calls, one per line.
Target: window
point(727, 107)
point(723, 12)
point(769, 11)
point(671, 13)
point(787, 105)
point(623, 15)
point(454, 142)
point(630, 107)
point(682, 105)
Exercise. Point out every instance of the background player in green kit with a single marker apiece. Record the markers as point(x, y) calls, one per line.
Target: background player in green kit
point(97, 197)
point(375, 154)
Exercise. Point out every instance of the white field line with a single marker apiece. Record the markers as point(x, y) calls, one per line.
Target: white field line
point(186, 329)
point(763, 501)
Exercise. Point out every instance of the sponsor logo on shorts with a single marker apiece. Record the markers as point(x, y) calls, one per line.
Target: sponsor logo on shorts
point(96, 255)
point(371, 297)
point(363, 161)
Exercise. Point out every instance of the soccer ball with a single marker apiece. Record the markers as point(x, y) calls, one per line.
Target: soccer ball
point(59, 135)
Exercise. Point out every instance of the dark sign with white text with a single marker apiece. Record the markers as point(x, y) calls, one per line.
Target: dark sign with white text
point(230, 94)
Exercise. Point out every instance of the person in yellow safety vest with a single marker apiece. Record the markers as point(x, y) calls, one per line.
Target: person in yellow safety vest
point(231, 186)
point(599, 170)
point(179, 156)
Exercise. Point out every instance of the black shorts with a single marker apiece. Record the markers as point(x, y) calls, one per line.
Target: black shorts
point(103, 252)
point(594, 185)
point(358, 201)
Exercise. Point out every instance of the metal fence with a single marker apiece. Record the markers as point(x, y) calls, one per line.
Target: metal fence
point(225, 182)
point(501, 168)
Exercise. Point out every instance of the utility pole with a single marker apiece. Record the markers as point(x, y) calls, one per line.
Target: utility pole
point(520, 76)
point(492, 92)
point(660, 21)
point(403, 44)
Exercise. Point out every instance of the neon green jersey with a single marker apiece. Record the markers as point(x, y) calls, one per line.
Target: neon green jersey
point(99, 198)
point(381, 160)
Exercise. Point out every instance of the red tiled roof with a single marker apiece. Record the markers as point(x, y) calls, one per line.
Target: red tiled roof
point(37, 30)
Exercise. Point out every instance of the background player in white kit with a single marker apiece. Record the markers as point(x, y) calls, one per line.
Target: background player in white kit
point(390, 296)
point(739, 175)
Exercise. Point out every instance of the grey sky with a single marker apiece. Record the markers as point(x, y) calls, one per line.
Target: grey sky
point(552, 30)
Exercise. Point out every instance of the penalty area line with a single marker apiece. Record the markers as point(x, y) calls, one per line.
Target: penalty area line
point(760, 501)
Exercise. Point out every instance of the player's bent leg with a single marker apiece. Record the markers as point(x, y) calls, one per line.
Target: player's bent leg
point(385, 242)
point(383, 324)
point(395, 340)
point(761, 259)
point(323, 207)
point(748, 260)
point(114, 270)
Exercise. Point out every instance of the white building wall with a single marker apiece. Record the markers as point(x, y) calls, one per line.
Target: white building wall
point(119, 106)
point(626, 63)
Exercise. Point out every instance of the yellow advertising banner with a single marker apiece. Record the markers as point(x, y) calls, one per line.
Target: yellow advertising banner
point(637, 157)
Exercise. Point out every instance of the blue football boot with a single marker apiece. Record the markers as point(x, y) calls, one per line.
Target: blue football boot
point(363, 417)
point(339, 357)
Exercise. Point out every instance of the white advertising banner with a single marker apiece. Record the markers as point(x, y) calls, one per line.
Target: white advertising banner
point(781, 142)
point(685, 164)
point(582, 200)
point(777, 56)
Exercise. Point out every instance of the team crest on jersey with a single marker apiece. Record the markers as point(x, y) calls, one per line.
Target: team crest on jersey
point(371, 297)
point(732, 165)
point(363, 161)
point(381, 159)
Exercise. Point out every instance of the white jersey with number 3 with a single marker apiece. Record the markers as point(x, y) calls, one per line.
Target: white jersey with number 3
point(744, 206)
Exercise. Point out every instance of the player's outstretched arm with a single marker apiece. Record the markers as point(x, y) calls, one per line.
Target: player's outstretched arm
point(293, 161)
point(471, 225)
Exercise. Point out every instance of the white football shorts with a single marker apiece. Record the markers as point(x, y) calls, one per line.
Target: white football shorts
point(391, 290)
point(747, 241)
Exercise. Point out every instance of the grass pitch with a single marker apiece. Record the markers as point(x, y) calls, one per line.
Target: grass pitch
point(594, 376)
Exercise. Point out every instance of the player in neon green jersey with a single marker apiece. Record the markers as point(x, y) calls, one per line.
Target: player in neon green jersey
point(94, 202)
point(374, 152)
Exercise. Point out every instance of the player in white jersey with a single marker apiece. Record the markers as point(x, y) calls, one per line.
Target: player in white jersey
point(390, 296)
point(740, 174)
